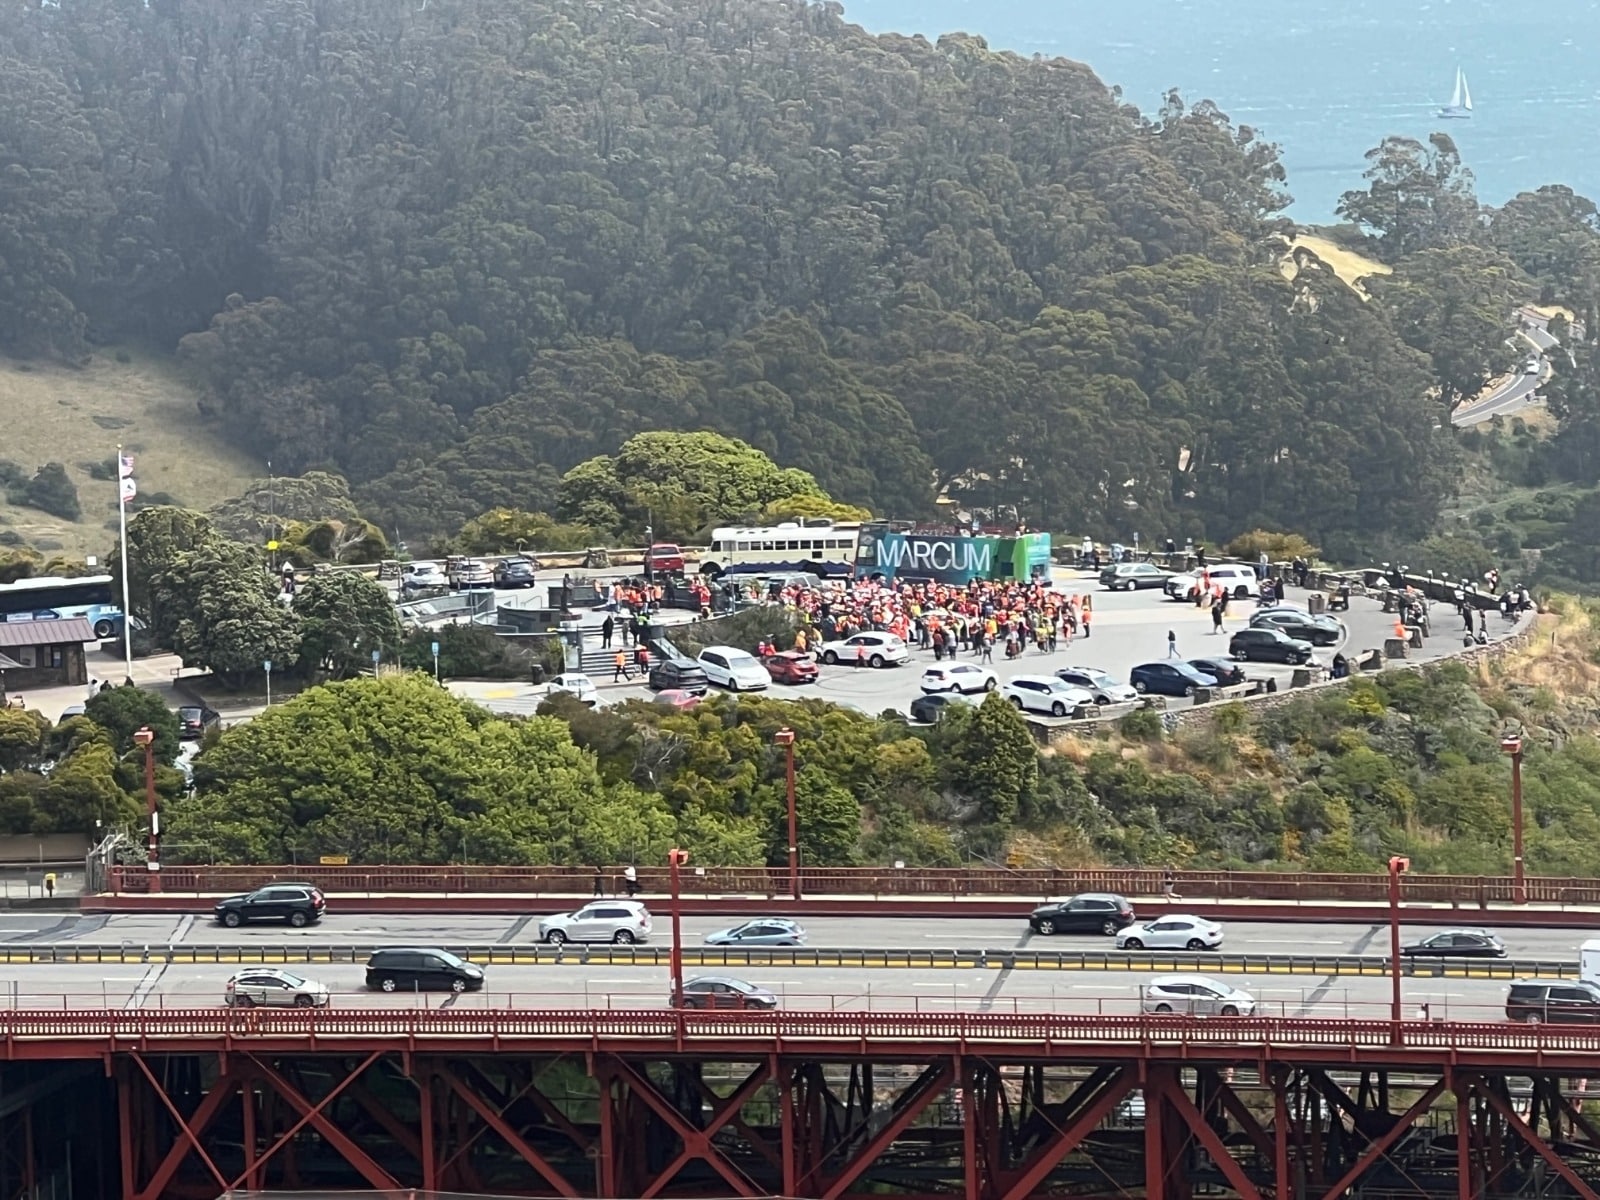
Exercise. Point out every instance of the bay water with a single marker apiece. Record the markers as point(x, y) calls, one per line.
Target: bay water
point(1327, 79)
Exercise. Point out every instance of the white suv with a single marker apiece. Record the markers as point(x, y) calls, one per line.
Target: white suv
point(621, 921)
point(881, 649)
point(733, 668)
point(1045, 694)
point(958, 677)
point(1241, 582)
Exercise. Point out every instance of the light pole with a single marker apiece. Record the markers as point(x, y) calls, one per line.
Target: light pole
point(785, 738)
point(675, 860)
point(1396, 866)
point(146, 737)
point(1512, 744)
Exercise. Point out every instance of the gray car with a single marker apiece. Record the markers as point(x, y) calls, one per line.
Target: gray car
point(719, 991)
point(768, 931)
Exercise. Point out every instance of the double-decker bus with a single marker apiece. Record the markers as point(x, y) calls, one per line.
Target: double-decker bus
point(48, 598)
point(823, 549)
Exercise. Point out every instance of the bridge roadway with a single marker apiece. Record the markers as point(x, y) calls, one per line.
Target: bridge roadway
point(895, 933)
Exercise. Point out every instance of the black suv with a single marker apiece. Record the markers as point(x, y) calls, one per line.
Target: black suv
point(515, 573)
point(1559, 1001)
point(680, 673)
point(1092, 912)
point(298, 904)
point(1269, 645)
point(422, 970)
point(195, 719)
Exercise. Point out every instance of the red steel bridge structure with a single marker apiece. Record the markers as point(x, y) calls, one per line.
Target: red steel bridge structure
point(191, 1105)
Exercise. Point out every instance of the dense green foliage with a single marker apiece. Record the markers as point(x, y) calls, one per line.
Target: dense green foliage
point(490, 243)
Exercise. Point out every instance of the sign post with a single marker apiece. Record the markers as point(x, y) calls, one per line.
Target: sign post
point(377, 657)
point(266, 666)
point(436, 662)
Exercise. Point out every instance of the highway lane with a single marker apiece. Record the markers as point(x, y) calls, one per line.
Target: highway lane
point(962, 933)
point(188, 985)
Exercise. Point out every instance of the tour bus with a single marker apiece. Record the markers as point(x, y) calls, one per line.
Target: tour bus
point(48, 598)
point(823, 549)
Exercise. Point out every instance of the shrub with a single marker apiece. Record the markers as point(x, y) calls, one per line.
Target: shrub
point(1141, 725)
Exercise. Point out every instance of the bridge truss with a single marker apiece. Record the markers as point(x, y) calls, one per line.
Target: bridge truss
point(833, 1106)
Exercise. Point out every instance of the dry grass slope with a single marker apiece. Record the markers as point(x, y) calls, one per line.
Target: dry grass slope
point(1349, 266)
point(76, 416)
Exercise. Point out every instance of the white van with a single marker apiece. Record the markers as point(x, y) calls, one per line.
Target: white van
point(1240, 581)
point(733, 668)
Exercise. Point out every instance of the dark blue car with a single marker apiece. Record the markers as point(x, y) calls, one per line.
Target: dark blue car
point(1170, 678)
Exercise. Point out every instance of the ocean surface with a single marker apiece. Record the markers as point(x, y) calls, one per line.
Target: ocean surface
point(1328, 79)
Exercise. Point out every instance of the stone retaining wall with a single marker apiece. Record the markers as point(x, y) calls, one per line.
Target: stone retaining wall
point(1203, 716)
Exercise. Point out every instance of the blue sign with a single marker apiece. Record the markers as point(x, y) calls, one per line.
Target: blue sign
point(436, 649)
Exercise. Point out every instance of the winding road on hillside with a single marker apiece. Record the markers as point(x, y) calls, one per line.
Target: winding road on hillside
point(1517, 391)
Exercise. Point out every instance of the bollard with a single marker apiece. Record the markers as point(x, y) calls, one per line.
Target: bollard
point(1394, 648)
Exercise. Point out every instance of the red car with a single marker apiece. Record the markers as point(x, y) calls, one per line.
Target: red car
point(663, 558)
point(790, 667)
point(676, 698)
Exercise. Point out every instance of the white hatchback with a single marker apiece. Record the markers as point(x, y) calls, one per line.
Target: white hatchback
point(577, 685)
point(958, 677)
point(1176, 932)
point(735, 669)
point(1045, 694)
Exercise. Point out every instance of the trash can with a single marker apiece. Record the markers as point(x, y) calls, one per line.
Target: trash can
point(1317, 604)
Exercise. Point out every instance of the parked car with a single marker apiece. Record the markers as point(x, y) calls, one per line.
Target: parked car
point(1456, 943)
point(619, 921)
point(1319, 631)
point(1224, 672)
point(677, 698)
point(296, 904)
point(719, 991)
point(1558, 1001)
point(1129, 577)
point(1105, 688)
point(195, 720)
point(515, 573)
point(73, 710)
point(735, 669)
point(267, 987)
point(930, 710)
point(678, 675)
point(1176, 932)
point(958, 677)
point(1239, 581)
point(407, 969)
point(882, 649)
point(791, 667)
point(577, 685)
point(1195, 996)
point(1090, 912)
point(1045, 694)
point(474, 574)
point(1168, 678)
point(1269, 645)
point(663, 558)
point(764, 931)
point(423, 577)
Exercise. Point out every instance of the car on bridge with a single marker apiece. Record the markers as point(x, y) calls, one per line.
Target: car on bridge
point(267, 987)
point(296, 904)
point(1457, 943)
point(421, 969)
point(720, 991)
point(764, 931)
point(1195, 996)
point(1558, 1001)
point(1175, 932)
point(1089, 912)
point(622, 922)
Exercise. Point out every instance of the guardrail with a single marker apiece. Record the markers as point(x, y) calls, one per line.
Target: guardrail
point(930, 883)
point(1004, 958)
point(919, 1033)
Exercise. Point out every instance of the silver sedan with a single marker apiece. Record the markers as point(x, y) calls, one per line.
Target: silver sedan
point(1195, 996)
point(771, 931)
point(269, 988)
point(1171, 933)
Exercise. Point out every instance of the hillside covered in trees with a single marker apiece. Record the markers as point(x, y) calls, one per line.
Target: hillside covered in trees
point(452, 251)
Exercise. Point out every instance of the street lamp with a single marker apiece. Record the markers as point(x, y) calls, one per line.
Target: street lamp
point(785, 738)
point(1396, 866)
point(146, 737)
point(675, 860)
point(1512, 744)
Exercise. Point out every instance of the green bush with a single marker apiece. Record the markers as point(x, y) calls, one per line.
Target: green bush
point(1141, 725)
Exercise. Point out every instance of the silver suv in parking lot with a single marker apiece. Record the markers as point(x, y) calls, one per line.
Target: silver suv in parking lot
point(619, 921)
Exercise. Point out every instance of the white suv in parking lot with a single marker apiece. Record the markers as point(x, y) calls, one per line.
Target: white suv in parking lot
point(881, 649)
point(1240, 582)
point(733, 668)
point(1045, 694)
point(958, 677)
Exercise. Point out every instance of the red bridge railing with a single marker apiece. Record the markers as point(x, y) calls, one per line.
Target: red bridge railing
point(931, 883)
point(877, 1031)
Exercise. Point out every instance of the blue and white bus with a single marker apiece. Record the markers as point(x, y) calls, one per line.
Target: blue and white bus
point(48, 598)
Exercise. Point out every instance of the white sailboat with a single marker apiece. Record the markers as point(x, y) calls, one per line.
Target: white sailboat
point(1460, 106)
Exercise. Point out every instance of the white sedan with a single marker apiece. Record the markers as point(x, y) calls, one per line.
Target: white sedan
point(881, 650)
point(958, 677)
point(577, 685)
point(1171, 933)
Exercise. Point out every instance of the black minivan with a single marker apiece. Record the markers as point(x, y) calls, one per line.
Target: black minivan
point(683, 674)
point(421, 970)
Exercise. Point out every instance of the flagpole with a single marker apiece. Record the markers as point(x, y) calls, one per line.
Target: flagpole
point(122, 527)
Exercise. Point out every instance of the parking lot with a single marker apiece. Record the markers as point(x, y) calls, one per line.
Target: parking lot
point(1128, 628)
